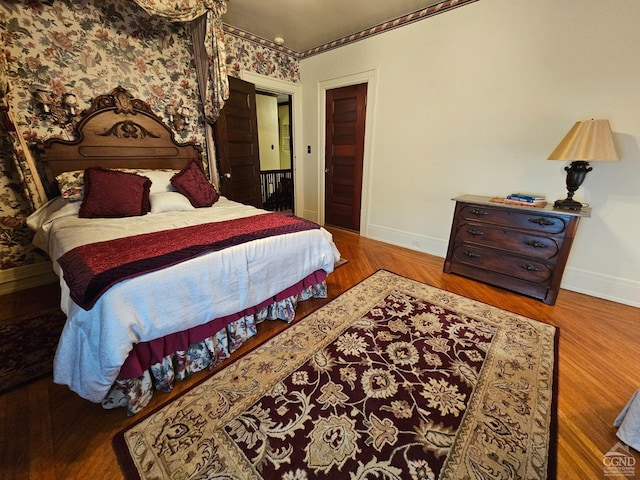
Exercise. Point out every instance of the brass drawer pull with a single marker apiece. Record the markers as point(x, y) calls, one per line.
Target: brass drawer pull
point(530, 268)
point(542, 221)
point(478, 211)
point(471, 254)
point(535, 244)
point(475, 232)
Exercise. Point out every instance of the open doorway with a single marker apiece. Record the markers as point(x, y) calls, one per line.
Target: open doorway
point(274, 115)
point(293, 90)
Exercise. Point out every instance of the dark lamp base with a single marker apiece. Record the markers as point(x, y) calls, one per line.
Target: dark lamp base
point(567, 204)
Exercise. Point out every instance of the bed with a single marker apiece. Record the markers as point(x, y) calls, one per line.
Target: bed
point(161, 276)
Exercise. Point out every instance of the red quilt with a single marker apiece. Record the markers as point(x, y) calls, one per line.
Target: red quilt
point(90, 270)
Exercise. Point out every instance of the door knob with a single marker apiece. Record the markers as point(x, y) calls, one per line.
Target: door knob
point(227, 175)
point(326, 170)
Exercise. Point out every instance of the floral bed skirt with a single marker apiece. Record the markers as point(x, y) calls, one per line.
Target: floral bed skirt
point(135, 393)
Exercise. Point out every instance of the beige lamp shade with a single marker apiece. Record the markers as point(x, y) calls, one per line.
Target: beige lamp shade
point(589, 141)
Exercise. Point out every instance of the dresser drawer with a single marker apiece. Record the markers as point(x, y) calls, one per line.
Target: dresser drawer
point(538, 222)
point(503, 263)
point(514, 241)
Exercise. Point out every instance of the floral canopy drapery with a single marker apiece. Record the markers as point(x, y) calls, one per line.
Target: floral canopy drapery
point(14, 146)
point(4, 78)
point(214, 85)
point(216, 88)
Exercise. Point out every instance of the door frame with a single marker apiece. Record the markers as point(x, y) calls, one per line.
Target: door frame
point(294, 90)
point(369, 77)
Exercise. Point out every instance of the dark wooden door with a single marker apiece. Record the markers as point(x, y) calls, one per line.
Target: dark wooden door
point(344, 155)
point(236, 137)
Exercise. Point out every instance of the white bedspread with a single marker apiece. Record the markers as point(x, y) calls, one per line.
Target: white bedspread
point(95, 343)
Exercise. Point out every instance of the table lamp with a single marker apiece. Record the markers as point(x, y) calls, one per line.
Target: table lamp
point(588, 141)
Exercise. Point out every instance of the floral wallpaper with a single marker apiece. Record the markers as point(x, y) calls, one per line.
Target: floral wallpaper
point(89, 48)
point(247, 52)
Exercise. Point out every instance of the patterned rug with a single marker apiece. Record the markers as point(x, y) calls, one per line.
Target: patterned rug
point(392, 380)
point(27, 346)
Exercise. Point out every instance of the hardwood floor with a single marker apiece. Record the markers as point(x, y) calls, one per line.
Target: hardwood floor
point(48, 432)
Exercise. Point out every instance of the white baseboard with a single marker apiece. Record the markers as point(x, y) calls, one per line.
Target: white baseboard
point(619, 290)
point(311, 215)
point(28, 276)
point(420, 243)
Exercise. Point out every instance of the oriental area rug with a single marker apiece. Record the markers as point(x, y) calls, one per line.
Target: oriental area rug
point(394, 379)
point(27, 347)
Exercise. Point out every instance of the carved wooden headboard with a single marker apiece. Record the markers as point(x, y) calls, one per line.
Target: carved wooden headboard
point(117, 131)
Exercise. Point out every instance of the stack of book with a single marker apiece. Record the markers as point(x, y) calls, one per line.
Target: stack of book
point(526, 199)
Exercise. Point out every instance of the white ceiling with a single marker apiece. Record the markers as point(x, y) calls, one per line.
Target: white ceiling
point(306, 24)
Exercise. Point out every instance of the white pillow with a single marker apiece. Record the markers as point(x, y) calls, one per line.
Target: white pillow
point(160, 179)
point(169, 202)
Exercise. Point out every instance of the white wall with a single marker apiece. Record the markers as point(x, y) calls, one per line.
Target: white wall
point(268, 135)
point(473, 101)
point(284, 125)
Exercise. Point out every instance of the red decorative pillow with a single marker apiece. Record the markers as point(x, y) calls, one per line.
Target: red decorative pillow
point(111, 193)
point(193, 184)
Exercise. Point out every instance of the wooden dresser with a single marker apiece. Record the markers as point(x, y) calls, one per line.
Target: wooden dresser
point(519, 248)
